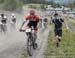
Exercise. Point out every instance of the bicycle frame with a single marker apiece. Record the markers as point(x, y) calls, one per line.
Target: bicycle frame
point(30, 40)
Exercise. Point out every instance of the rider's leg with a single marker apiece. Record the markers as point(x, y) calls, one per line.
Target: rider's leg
point(60, 35)
point(4, 28)
point(57, 41)
point(56, 37)
point(35, 38)
point(35, 35)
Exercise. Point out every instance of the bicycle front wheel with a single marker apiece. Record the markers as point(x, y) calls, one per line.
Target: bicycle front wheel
point(30, 46)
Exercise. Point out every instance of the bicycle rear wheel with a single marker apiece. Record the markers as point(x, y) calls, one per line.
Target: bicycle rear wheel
point(34, 42)
point(30, 46)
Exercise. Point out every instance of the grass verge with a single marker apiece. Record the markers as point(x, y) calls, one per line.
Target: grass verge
point(66, 49)
point(36, 6)
point(24, 55)
point(72, 22)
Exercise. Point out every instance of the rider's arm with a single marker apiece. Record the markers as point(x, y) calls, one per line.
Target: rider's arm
point(65, 22)
point(22, 24)
point(28, 17)
point(66, 25)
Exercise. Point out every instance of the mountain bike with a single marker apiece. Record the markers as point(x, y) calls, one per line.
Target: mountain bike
point(31, 45)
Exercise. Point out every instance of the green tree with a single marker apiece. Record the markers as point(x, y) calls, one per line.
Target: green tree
point(12, 4)
point(1, 1)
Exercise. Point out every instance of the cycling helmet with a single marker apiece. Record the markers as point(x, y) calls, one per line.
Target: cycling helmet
point(45, 19)
point(32, 12)
point(56, 14)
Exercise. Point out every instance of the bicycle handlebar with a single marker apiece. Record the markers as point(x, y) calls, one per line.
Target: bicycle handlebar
point(22, 30)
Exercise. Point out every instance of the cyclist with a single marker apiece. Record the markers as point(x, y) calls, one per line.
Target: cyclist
point(33, 21)
point(58, 27)
point(13, 21)
point(13, 18)
point(3, 22)
point(3, 19)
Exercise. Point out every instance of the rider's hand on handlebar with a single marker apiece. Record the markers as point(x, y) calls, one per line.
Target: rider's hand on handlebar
point(20, 30)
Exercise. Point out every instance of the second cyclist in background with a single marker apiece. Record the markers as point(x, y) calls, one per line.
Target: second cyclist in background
point(3, 24)
point(13, 21)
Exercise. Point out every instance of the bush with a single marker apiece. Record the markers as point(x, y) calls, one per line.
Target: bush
point(1, 1)
point(33, 6)
point(37, 6)
point(42, 6)
point(12, 4)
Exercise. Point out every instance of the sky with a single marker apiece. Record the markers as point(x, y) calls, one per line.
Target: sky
point(62, 1)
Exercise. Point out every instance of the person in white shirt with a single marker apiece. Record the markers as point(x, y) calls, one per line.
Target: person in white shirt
point(12, 22)
point(3, 18)
point(13, 18)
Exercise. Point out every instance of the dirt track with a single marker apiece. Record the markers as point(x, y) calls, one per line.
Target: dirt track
point(13, 43)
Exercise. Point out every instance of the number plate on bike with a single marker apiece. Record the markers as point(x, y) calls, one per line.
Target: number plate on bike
point(28, 30)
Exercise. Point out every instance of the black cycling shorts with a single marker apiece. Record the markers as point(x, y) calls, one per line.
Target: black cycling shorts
point(58, 33)
point(4, 21)
point(14, 20)
point(32, 23)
